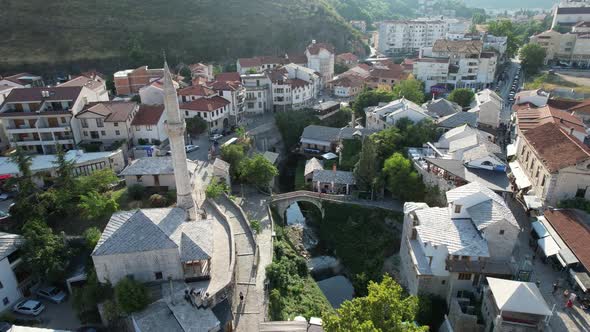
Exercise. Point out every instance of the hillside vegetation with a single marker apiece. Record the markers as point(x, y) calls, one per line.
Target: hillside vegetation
point(500, 4)
point(120, 33)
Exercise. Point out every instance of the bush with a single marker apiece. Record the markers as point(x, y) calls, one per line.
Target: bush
point(131, 296)
point(135, 191)
point(157, 200)
point(215, 188)
point(255, 225)
point(91, 237)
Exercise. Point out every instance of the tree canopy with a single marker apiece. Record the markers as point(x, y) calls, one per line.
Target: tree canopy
point(291, 125)
point(366, 170)
point(196, 125)
point(505, 28)
point(258, 171)
point(462, 96)
point(402, 180)
point(370, 98)
point(532, 58)
point(44, 252)
point(384, 309)
point(411, 89)
point(233, 154)
point(131, 296)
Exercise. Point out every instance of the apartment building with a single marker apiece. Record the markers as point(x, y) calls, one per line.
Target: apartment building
point(149, 125)
point(229, 86)
point(293, 87)
point(129, 81)
point(320, 58)
point(93, 82)
point(260, 64)
point(201, 73)
point(107, 122)
point(572, 48)
point(551, 164)
point(569, 13)
point(448, 249)
point(38, 118)
point(258, 95)
point(407, 36)
point(359, 25)
point(468, 65)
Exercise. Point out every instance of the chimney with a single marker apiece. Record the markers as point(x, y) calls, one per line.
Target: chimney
point(571, 130)
point(334, 168)
point(313, 41)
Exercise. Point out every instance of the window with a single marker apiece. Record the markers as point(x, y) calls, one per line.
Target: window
point(1, 285)
point(84, 123)
point(5, 301)
point(116, 124)
point(464, 276)
point(138, 178)
point(136, 128)
point(131, 276)
point(457, 208)
point(158, 275)
point(148, 128)
point(581, 192)
point(186, 113)
point(99, 123)
point(103, 133)
point(543, 182)
point(501, 232)
point(62, 120)
point(443, 282)
point(94, 135)
point(85, 133)
point(117, 132)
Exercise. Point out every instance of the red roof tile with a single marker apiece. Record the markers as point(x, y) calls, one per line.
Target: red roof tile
point(314, 48)
point(205, 104)
point(583, 107)
point(555, 148)
point(228, 77)
point(572, 231)
point(112, 111)
point(347, 57)
point(148, 115)
point(196, 90)
point(533, 117)
point(34, 94)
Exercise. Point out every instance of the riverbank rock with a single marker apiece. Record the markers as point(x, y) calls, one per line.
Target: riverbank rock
point(295, 235)
point(324, 264)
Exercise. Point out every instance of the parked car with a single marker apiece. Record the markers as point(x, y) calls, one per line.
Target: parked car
point(52, 294)
point(215, 137)
point(191, 148)
point(29, 307)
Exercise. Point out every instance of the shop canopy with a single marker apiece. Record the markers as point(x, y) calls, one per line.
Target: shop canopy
point(532, 202)
point(329, 156)
point(540, 229)
point(549, 246)
point(582, 279)
point(522, 181)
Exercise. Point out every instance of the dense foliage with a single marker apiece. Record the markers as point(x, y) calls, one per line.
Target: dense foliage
point(402, 179)
point(131, 295)
point(532, 58)
point(410, 89)
point(196, 125)
point(385, 308)
point(44, 252)
point(233, 154)
point(370, 98)
point(215, 188)
point(291, 125)
point(258, 171)
point(351, 149)
point(462, 96)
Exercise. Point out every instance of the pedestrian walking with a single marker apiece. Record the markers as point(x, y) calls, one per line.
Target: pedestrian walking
point(555, 287)
point(241, 297)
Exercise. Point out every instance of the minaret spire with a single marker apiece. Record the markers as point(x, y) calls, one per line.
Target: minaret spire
point(176, 127)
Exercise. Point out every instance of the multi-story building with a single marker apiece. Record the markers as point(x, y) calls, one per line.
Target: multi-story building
point(149, 125)
point(551, 164)
point(95, 83)
point(107, 122)
point(201, 73)
point(568, 13)
point(261, 63)
point(229, 86)
point(293, 87)
point(448, 249)
point(570, 48)
point(359, 25)
point(468, 65)
point(14, 284)
point(37, 119)
point(129, 81)
point(382, 117)
point(407, 36)
point(22, 80)
point(489, 109)
point(215, 110)
point(320, 58)
point(258, 94)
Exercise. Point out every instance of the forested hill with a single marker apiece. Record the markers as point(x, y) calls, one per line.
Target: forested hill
point(118, 33)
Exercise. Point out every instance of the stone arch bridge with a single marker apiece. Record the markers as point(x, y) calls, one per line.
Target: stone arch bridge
point(283, 201)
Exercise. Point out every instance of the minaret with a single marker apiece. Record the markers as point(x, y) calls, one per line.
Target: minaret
point(176, 127)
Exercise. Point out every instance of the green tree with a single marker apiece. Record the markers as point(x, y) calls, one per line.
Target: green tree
point(64, 169)
point(99, 181)
point(339, 68)
point(385, 308)
point(479, 18)
point(505, 28)
point(241, 132)
point(196, 125)
point(91, 237)
point(532, 58)
point(87, 297)
point(44, 252)
point(462, 96)
point(233, 154)
point(258, 171)
point(94, 205)
point(410, 89)
point(136, 99)
point(215, 188)
point(387, 142)
point(292, 124)
point(370, 98)
point(402, 180)
point(366, 170)
point(25, 183)
point(131, 296)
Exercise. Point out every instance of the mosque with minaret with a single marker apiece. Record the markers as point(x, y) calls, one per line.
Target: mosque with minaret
point(181, 247)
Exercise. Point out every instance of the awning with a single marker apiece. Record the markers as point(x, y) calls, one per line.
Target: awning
point(5, 176)
point(568, 256)
point(532, 202)
point(329, 156)
point(522, 181)
point(548, 245)
point(582, 279)
point(511, 150)
point(540, 229)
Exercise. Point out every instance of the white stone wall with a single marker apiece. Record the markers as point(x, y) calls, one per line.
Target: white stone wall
point(151, 133)
point(150, 181)
point(151, 95)
point(501, 245)
point(10, 289)
point(142, 266)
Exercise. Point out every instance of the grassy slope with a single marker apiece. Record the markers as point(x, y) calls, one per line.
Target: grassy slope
point(190, 30)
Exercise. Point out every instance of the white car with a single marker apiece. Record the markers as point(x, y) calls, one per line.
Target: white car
point(215, 137)
point(52, 294)
point(191, 148)
point(29, 307)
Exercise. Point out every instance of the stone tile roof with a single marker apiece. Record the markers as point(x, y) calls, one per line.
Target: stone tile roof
point(556, 148)
point(482, 150)
point(156, 229)
point(311, 165)
point(148, 115)
point(196, 90)
point(9, 243)
point(331, 134)
point(489, 212)
point(228, 77)
point(458, 119)
point(459, 235)
point(338, 177)
point(573, 231)
point(112, 111)
point(221, 164)
point(441, 107)
point(496, 181)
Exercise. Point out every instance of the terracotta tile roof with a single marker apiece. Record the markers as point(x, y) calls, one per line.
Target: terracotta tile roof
point(228, 77)
point(583, 107)
point(196, 90)
point(21, 78)
point(297, 83)
point(225, 85)
point(148, 115)
point(112, 111)
point(83, 81)
point(529, 118)
point(205, 104)
point(555, 148)
point(458, 46)
point(350, 81)
point(34, 94)
point(396, 72)
point(249, 62)
point(297, 58)
point(314, 48)
point(564, 104)
point(347, 57)
point(260, 60)
point(572, 231)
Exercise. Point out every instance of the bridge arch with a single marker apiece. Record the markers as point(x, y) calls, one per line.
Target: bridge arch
point(283, 202)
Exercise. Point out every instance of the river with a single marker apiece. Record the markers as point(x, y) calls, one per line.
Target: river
point(325, 269)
